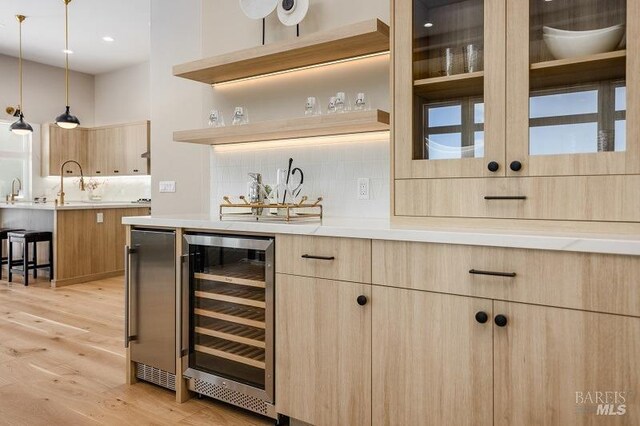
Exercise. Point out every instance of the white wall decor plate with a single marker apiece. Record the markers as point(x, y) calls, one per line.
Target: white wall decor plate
point(292, 12)
point(258, 9)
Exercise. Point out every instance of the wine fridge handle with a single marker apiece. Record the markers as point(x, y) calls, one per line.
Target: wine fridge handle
point(184, 305)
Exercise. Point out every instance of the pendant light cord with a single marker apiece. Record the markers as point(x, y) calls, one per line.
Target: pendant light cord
point(66, 45)
point(20, 65)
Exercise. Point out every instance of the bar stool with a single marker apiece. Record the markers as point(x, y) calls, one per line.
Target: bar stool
point(25, 238)
point(3, 236)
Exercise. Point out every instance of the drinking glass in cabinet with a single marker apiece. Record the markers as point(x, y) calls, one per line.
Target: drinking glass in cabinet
point(445, 35)
point(361, 102)
point(577, 101)
point(342, 102)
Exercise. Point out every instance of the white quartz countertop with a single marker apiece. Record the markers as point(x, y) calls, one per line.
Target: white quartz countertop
point(382, 229)
point(74, 205)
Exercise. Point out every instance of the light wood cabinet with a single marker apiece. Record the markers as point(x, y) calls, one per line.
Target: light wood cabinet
point(587, 281)
point(64, 145)
point(323, 355)
point(479, 92)
point(559, 367)
point(104, 151)
point(432, 360)
point(347, 259)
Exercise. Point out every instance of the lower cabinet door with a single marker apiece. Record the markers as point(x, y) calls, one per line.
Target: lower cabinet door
point(323, 351)
point(432, 359)
point(563, 367)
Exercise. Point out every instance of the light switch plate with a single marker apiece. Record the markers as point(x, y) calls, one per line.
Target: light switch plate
point(168, 186)
point(99, 217)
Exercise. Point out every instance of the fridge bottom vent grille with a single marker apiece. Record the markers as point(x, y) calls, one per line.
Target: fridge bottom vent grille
point(156, 376)
point(231, 396)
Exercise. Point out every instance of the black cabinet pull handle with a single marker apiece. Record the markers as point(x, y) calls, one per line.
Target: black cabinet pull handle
point(505, 197)
point(516, 166)
point(135, 170)
point(362, 300)
point(494, 274)
point(116, 171)
point(500, 320)
point(493, 166)
point(482, 317)
point(98, 172)
point(309, 256)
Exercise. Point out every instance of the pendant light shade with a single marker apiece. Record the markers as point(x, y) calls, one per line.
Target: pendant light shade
point(66, 120)
point(20, 127)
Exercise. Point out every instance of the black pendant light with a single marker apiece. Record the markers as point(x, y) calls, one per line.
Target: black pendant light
point(20, 127)
point(66, 120)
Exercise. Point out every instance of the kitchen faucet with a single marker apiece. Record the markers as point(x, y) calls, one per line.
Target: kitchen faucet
point(61, 193)
point(15, 193)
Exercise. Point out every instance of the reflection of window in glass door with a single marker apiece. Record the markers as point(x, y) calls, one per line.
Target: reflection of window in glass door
point(15, 160)
point(453, 129)
point(584, 119)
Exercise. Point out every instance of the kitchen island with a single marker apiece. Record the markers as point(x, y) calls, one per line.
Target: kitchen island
point(87, 237)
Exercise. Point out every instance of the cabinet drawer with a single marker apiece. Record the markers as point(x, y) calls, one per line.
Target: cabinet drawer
point(346, 259)
point(591, 198)
point(596, 282)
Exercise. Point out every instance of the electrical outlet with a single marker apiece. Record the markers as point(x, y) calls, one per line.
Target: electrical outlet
point(99, 217)
point(363, 189)
point(168, 186)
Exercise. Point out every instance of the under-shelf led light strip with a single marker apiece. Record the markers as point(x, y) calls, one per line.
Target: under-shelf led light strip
point(323, 64)
point(352, 138)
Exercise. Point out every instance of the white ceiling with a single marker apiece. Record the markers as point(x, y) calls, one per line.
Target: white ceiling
point(127, 21)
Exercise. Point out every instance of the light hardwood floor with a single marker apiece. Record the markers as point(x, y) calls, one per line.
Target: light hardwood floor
point(62, 363)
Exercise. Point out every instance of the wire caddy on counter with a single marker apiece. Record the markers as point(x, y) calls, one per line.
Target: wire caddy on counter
point(280, 212)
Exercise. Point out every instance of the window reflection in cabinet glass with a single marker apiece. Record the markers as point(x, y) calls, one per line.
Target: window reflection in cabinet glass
point(454, 129)
point(578, 120)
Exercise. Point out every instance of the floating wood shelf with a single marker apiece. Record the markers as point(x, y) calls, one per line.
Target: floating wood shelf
point(603, 66)
point(364, 38)
point(457, 85)
point(304, 127)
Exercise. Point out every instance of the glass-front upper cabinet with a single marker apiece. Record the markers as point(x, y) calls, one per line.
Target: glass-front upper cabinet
point(449, 88)
point(572, 87)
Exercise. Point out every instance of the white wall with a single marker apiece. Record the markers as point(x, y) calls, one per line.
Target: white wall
point(123, 95)
point(44, 91)
point(177, 104)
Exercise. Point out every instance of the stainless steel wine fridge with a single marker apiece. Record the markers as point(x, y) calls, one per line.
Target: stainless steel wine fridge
point(228, 319)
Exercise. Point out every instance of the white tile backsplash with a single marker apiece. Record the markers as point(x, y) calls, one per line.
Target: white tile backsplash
point(331, 169)
point(121, 188)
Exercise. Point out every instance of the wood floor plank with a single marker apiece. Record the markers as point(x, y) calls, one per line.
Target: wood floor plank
point(62, 362)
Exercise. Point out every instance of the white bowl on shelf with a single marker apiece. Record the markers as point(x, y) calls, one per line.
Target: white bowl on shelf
point(565, 44)
point(557, 31)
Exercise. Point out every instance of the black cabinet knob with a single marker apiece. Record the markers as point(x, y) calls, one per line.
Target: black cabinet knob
point(500, 320)
point(516, 166)
point(482, 317)
point(362, 300)
point(493, 166)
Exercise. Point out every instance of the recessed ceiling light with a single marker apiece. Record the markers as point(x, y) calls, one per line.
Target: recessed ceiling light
point(428, 24)
point(108, 38)
point(67, 51)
